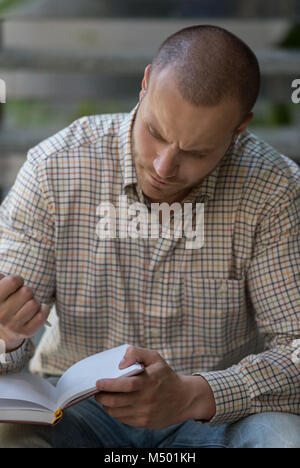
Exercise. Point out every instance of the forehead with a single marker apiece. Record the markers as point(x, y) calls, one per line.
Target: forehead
point(163, 97)
point(190, 128)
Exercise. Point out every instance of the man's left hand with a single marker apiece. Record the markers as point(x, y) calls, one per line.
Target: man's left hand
point(156, 398)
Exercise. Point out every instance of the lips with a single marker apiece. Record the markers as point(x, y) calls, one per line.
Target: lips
point(158, 181)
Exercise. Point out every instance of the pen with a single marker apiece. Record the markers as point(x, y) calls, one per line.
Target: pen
point(47, 323)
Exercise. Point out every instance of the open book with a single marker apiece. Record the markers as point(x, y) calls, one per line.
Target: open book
point(26, 397)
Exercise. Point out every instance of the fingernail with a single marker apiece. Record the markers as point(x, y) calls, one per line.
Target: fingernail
point(98, 384)
point(122, 363)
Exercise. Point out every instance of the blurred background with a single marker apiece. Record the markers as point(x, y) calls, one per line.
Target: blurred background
point(63, 59)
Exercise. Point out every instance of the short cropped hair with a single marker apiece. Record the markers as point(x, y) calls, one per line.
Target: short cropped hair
point(211, 64)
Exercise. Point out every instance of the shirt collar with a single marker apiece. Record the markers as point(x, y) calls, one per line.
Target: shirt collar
point(206, 188)
point(125, 139)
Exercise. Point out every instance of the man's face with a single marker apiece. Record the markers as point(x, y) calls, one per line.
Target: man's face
point(176, 145)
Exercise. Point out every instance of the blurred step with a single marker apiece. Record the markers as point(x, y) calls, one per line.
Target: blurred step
point(127, 35)
point(284, 139)
point(155, 8)
point(21, 140)
point(94, 8)
point(125, 64)
point(279, 62)
point(10, 164)
point(273, 62)
point(71, 86)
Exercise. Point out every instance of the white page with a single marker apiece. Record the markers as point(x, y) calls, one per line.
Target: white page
point(15, 405)
point(28, 387)
point(82, 376)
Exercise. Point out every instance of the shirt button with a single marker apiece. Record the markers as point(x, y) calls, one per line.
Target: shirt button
point(158, 274)
point(155, 332)
point(223, 288)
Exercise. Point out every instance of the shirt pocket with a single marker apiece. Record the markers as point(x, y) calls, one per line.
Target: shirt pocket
point(216, 313)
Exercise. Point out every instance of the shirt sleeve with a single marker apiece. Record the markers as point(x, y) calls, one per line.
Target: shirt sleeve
point(268, 381)
point(27, 239)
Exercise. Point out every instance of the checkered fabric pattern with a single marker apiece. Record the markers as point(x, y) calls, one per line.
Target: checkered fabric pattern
point(228, 311)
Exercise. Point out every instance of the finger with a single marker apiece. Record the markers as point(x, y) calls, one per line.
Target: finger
point(38, 320)
point(8, 285)
point(15, 302)
point(135, 354)
point(121, 384)
point(116, 400)
point(27, 312)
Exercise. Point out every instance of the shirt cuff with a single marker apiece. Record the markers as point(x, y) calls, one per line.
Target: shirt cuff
point(231, 395)
point(16, 360)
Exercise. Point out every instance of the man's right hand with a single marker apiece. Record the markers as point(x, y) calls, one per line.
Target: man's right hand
point(21, 315)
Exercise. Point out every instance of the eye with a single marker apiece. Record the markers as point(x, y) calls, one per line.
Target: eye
point(196, 155)
point(154, 134)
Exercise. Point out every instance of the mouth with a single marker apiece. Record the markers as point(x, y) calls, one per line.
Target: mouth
point(157, 181)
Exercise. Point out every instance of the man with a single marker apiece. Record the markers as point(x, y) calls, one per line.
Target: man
point(216, 327)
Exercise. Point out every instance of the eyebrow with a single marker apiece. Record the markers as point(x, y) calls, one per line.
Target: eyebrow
point(157, 132)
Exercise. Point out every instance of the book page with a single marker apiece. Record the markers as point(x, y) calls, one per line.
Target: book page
point(28, 387)
point(81, 378)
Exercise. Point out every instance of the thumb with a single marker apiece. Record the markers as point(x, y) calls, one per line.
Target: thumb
point(143, 356)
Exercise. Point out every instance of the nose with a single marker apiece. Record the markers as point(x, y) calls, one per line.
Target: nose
point(166, 164)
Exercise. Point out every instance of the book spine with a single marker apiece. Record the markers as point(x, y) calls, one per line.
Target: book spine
point(57, 416)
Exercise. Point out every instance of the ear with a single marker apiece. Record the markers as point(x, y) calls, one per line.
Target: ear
point(243, 125)
point(145, 81)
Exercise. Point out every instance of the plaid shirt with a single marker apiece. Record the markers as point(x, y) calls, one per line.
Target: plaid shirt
point(228, 311)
